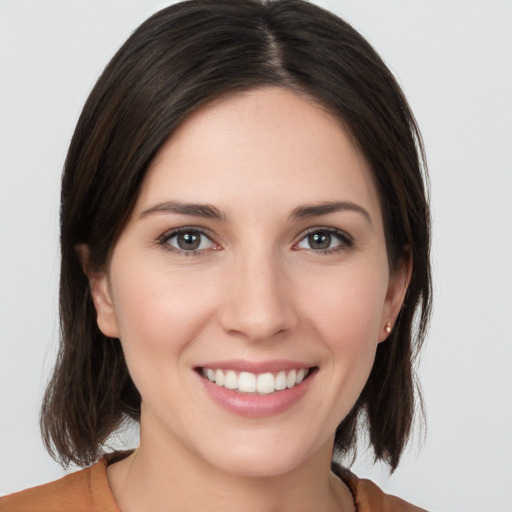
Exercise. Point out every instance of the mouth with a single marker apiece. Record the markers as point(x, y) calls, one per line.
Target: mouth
point(248, 383)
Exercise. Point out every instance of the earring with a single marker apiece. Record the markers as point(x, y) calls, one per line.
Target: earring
point(387, 327)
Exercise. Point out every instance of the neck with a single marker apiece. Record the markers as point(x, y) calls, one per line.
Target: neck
point(167, 477)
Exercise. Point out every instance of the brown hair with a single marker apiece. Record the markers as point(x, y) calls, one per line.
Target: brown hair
point(175, 62)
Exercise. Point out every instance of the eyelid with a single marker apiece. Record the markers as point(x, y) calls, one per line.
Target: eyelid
point(165, 237)
point(346, 240)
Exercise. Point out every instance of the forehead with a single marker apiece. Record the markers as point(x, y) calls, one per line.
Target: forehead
point(267, 147)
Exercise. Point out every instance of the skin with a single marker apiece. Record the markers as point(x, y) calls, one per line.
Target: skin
point(256, 290)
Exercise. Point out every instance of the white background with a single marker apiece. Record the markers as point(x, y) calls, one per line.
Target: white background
point(453, 59)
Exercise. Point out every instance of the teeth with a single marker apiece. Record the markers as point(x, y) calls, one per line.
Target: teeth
point(231, 382)
point(280, 381)
point(263, 383)
point(291, 379)
point(266, 383)
point(247, 382)
point(219, 377)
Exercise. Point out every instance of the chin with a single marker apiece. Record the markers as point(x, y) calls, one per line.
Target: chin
point(259, 459)
point(257, 466)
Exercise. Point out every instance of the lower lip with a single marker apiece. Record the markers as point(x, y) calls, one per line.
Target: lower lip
point(257, 405)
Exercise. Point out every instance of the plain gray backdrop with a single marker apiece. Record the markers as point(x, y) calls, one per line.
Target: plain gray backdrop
point(453, 60)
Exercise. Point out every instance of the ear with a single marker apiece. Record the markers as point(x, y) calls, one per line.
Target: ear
point(101, 294)
point(397, 288)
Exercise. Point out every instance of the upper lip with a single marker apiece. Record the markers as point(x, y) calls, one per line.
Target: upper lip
point(242, 365)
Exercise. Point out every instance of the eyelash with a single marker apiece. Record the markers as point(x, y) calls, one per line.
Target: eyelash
point(346, 242)
point(164, 241)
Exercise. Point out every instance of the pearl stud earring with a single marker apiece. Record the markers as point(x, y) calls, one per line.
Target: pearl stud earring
point(387, 328)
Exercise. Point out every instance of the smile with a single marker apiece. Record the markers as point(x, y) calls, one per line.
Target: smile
point(255, 384)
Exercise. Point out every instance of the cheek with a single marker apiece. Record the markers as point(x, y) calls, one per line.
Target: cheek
point(159, 314)
point(158, 311)
point(348, 311)
point(347, 318)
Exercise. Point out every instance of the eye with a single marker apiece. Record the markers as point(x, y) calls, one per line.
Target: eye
point(187, 240)
point(326, 240)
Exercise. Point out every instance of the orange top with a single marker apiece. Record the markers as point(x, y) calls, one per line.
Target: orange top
point(88, 491)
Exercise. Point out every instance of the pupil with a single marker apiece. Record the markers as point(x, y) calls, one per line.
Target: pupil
point(319, 240)
point(188, 241)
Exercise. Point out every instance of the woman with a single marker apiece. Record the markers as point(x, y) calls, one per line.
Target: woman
point(245, 245)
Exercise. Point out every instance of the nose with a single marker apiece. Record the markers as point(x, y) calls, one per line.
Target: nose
point(257, 303)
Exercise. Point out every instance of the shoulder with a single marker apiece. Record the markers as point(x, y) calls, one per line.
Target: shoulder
point(83, 491)
point(369, 497)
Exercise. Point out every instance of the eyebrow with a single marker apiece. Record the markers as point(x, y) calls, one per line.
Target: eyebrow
point(211, 212)
point(314, 210)
point(196, 209)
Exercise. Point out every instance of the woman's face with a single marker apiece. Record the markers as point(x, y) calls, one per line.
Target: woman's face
point(254, 257)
